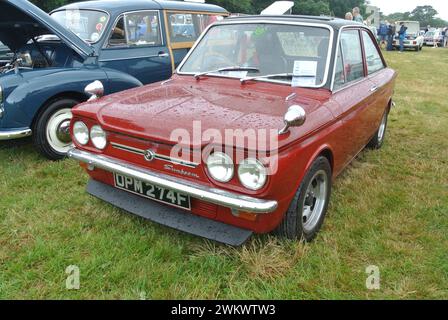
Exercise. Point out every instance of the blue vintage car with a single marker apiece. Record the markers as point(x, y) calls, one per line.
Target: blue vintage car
point(123, 44)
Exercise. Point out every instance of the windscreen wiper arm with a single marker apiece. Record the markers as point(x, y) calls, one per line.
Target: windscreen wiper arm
point(269, 76)
point(197, 76)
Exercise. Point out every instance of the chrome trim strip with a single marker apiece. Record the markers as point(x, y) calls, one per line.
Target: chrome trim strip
point(265, 21)
point(17, 134)
point(156, 155)
point(131, 58)
point(217, 196)
point(126, 148)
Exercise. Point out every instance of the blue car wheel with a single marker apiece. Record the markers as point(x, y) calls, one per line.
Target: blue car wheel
point(51, 132)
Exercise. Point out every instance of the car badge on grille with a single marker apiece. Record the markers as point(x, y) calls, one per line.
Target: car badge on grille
point(149, 155)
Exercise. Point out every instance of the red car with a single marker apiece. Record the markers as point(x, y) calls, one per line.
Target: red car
point(248, 135)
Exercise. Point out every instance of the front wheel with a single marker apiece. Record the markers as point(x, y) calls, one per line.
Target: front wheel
point(308, 208)
point(51, 132)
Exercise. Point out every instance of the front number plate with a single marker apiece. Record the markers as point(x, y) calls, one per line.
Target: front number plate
point(152, 192)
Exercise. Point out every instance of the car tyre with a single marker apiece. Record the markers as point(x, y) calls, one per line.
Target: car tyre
point(51, 135)
point(378, 139)
point(308, 209)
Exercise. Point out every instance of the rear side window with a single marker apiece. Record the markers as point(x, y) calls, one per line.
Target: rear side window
point(137, 29)
point(373, 57)
point(352, 55)
point(186, 27)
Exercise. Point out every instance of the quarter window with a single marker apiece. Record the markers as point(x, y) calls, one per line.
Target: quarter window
point(352, 55)
point(339, 77)
point(373, 57)
point(137, 29)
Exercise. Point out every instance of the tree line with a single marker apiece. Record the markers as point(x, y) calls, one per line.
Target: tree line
point(426, 15)
point(336, 8)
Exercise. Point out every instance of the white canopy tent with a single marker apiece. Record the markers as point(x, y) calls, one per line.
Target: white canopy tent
point(279, 8)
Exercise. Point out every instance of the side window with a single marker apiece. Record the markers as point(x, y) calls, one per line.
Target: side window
point(118, 37)
point(352, 53)
point(187, 27)
point(339, 77)
point(137, 29)
point(373, 57)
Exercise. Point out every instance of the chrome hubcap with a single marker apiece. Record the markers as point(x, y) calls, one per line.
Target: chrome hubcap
point(315, 200)
point(63, 131)
point(382, 129)
point(58, 131)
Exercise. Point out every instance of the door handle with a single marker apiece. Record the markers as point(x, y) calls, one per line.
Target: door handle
point(163, 54)
point(374, 89)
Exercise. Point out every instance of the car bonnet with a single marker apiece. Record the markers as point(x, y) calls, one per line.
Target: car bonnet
point(21, 21)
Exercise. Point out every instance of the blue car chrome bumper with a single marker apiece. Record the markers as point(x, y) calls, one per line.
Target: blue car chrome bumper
point(9, 134)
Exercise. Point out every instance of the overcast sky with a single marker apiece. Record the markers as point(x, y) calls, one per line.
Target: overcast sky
point(391, 6)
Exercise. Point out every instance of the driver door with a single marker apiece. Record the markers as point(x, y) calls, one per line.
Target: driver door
point(136, 46)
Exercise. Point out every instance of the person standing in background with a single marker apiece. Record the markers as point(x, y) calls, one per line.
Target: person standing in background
point(445, 37)
point(383, 33)
point(436, 40)
point(357, 15)
point(402, 36)
point(391, 30)
point(349, 16)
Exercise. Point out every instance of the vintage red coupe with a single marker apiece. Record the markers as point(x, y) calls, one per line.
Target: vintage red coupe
point(248, 135)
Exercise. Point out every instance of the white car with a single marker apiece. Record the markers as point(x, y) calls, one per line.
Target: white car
point(414, 40)
point(431, 35)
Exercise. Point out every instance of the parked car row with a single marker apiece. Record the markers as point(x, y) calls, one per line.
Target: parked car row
point(122, 44)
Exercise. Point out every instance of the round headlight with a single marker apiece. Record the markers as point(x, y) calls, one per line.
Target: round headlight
point(98, 137)
point(81, 133)
point(220, 167)
point(252, 174)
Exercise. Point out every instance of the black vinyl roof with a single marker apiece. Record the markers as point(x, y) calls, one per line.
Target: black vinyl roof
point(336, 23)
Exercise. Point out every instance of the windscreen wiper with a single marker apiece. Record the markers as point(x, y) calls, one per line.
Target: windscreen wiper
point(269, 76)
point(197, 76)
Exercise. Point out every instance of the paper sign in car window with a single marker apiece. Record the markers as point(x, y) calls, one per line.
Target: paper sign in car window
point(305, 69)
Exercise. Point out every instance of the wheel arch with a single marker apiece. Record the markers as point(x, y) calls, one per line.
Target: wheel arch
point(81, 97)
point(323, 151)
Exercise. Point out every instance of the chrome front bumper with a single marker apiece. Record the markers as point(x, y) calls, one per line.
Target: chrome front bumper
point(15, 134)
point(220, 197)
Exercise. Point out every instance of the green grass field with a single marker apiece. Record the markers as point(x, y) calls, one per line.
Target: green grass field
point(389, 209)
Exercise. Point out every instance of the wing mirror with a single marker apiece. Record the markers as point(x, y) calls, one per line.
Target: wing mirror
point(294, 117)
point(95, 90)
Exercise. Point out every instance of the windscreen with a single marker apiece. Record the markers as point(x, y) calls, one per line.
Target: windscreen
point(271, 49)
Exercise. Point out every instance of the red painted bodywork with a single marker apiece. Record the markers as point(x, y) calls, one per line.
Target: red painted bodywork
point(338, 124)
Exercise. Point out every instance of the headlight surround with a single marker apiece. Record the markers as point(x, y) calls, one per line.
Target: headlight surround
point(220, 167)
point(98, 137)
point(252, 174)
point(81, 133)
